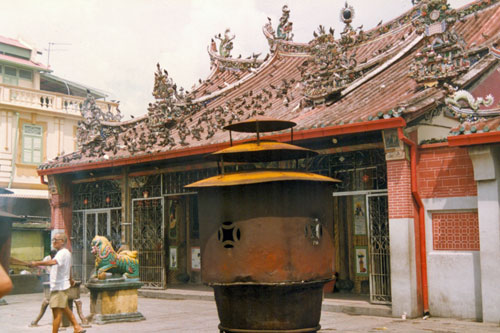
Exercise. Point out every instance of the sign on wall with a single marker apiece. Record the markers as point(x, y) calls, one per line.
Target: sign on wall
point(172, 258)
point(361, 259)
point(359, 214)
point(195, 258)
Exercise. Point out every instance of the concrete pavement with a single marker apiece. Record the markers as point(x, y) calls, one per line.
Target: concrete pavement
point(188, 314)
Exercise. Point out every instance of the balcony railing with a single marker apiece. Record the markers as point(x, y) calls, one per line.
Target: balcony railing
point(48, 101)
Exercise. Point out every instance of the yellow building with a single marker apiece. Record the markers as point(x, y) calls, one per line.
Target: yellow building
point(39, 114)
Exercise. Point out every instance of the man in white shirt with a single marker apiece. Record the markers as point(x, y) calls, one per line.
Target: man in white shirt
point(60, 282)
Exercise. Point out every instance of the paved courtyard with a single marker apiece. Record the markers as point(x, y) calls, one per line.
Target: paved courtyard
point(189, 315)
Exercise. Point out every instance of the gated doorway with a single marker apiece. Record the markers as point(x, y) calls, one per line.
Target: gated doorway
point(165, 233)
point(379, 248)
point(182, 239)
point(86, 225)
point(148, 230)
point(361, 230)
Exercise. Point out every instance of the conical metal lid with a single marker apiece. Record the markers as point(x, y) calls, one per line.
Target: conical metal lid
point(260, 176)
point(262, 151)
point(260, 125)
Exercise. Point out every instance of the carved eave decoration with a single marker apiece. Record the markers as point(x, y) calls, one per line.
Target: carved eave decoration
point(281, 39)
point(222, 57)
point(443, 56)
point(465, 107)
point(92, 129)
point(334, 64)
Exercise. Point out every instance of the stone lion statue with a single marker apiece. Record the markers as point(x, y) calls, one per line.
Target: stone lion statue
point(108, 260)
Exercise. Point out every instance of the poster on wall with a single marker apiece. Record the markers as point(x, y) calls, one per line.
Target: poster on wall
point(391, 139)
point(359, 214)
point(173, 257)
point(195, 259)
point(361, 259)
point(172, 218)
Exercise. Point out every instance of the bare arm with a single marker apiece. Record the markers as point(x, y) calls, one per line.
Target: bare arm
point(50, 262)
point(5, 282)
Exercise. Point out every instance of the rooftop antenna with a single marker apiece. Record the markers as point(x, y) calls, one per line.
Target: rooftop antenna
point(51, 49)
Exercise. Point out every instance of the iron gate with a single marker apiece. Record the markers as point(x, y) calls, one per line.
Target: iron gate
point(87, 224)
point(379, 249)
point(147, 238)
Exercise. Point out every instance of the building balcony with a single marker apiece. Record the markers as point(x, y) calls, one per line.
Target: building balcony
point(47, 102)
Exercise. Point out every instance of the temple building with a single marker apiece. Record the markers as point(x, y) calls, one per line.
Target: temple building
point(406, 115)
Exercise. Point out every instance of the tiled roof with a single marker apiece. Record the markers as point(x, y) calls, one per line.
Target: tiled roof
point(13, 42)
point(275, 89)
point(479, 126)
point(23, 62)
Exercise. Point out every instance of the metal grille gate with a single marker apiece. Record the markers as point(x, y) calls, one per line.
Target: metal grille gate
point(148, 238)
point(87, 224)
point(379, 249)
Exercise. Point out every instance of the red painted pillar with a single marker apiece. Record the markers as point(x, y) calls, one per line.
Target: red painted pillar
point(60, 202)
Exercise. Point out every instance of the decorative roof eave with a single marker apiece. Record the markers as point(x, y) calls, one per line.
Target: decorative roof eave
point(474, 139)
point(429, 102)
point(284, 46)
point(306, 134)
point(233, 63)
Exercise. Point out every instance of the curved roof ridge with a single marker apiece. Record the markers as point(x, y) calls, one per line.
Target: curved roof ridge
point(196, 86)
point(235, 84)
point(222, 60)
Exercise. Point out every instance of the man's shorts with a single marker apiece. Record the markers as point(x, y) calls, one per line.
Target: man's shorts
point(58, 299)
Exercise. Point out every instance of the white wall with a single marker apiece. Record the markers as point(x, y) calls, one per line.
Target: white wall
point(454, 277)
point(486, 162)
point(403, 268)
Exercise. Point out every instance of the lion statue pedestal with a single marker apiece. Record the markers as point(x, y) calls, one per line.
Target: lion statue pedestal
point(113, 288)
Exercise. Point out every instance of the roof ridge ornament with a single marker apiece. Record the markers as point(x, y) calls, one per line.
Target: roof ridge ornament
point(443, 56)
point(464, 105)
point(334, 63)
point(226, 43)
point(224, 58)
point(284, 29)
point(348, 36)
point(90, 129)
point(282, 37)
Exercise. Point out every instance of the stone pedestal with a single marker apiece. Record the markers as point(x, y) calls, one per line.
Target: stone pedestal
point(114, 300)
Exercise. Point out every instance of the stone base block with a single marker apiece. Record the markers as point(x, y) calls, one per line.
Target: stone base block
point(114, 301)
point(101, 319)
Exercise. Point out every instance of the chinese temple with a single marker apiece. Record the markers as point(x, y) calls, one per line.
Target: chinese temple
point(406, 115)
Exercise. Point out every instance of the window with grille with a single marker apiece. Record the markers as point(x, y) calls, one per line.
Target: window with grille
point(32, 144)
point(10, 75)
point(26, 75)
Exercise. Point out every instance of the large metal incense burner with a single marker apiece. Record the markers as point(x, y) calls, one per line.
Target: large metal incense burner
point(266, 242)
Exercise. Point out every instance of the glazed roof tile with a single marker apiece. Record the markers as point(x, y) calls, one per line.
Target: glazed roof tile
point(479, 126)
point(274, 90)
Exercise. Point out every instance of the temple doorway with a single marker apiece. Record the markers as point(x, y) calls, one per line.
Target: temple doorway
point(361, 232)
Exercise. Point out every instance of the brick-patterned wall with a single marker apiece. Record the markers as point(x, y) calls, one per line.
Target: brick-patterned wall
point(399, 189)
point(455, 231)
point(445, 172)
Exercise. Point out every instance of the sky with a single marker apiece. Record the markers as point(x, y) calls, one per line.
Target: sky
point(114, 45)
